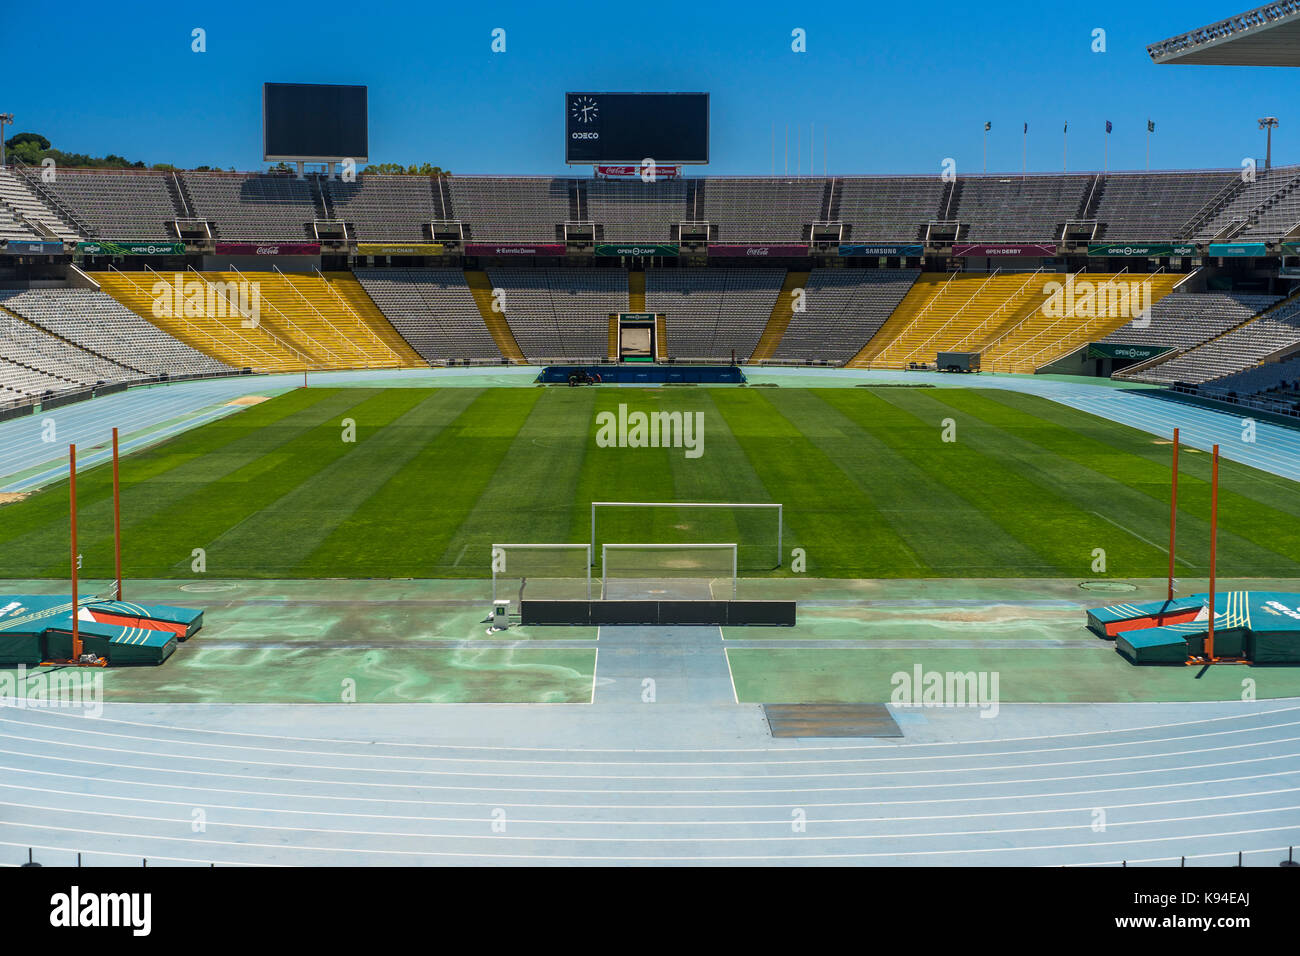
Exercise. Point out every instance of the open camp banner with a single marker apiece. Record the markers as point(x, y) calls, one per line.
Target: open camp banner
point(131, 247)
point(666, 249)
point(1148, 250)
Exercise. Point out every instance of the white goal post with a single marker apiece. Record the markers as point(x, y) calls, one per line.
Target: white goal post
point(659, 572)
point(521, 561)
point(734, 505)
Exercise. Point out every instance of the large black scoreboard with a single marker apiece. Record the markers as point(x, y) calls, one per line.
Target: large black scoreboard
point(670, 128)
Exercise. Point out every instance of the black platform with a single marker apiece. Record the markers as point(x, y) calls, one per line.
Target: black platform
point(716, 613)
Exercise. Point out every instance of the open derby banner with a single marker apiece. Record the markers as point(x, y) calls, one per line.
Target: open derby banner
point(1023, 249)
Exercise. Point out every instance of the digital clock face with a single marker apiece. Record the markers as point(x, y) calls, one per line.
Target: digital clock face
point(585, 109)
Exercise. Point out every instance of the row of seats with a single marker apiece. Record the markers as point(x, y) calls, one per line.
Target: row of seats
point(1236, 350)
point(95, 321)
point(1186, 319)
point(434, 311)
point(712, 313)
point(1125, 206)
point(36, 362)
point(843, 308)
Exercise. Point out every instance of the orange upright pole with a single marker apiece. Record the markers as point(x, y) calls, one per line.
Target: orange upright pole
point(72, 499)
point(1214, 537)
point(1173, 517)
point(117, 522)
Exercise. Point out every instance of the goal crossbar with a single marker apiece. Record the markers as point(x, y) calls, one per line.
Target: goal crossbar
point(777, 506)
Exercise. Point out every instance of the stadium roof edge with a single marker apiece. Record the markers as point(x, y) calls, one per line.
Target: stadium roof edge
point(1265, 36)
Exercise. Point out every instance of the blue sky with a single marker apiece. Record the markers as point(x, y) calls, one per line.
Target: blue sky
point(894, 87)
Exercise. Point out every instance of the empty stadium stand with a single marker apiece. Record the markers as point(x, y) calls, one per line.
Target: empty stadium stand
point(257, 208)
point(711, 312)
point(759, 209)
point(434, 311)
point(1027, 209)
point(561, 314)
point(1184, 320)
point(1256, 208)
point(24, 216)
point(886, 208)
point(1147, 206)
point(111, 203)
point(1274, 331)
point(92, 320)
point(385, 208)
point(635, 211)
point(34, 362)
point(844, 308)
point(516, 209)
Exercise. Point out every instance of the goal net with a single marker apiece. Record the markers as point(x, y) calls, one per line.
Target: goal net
point(549, 572)
point(698, 571)
point(755, 527)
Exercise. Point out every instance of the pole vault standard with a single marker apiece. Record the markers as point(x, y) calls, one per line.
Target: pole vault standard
point(117, 523)
point(1173, 518)
point(1214, 540)
point(72, 498)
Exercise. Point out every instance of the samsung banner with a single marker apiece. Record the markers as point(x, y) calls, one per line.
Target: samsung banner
point(268, 248)
point(1148, 250)
point(763, 251)
point(1026, 249)
point(130, 247)
point(1238, 250)
point(23, 247)
point(853, 249)
point(668, 249)
point(518, 249)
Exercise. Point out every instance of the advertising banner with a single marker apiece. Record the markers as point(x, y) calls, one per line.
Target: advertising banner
point(1114, 350)
point(32, 248)
point(1004, 249)
point(131, 247)
point(1148, 250)
point(518, 249)
point(669, 249)
point(1291, 248)
point(855, 249)
point(757, 251)
point(399, 249)
point(621, 172)
point(1237, 250)
point(268, 248)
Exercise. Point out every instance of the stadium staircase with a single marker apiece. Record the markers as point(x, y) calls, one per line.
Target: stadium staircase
point(636, 291)
point(661, 339)
point(613, 339)
point(224, 337)
point(344, 288)
point(480, 287)
point(780, 318)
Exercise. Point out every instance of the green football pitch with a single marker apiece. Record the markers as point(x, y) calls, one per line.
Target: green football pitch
point(871, 488)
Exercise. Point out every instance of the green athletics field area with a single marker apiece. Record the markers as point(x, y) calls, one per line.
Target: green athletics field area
point(871, 488)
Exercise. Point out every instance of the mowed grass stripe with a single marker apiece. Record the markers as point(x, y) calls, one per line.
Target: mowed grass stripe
point(405, 526)
point(723, 472)
point(210, 510)
point(1253, 505)
point(531, 497)
point(1034, 513)
point(872, 442)
point(844, 531)
point(182, 456)
point(389, 431)
point(1128, 494)
point(164, 518)
point(626, 474)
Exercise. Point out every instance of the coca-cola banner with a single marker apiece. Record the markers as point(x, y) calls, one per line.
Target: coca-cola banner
point(517, 249)
point(661, 172)
point(1005, 249)
point(268, 248)
point(764, 251)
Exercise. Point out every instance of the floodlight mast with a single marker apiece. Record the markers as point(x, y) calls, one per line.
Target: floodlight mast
point(1268, 123)
point(6, 119)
